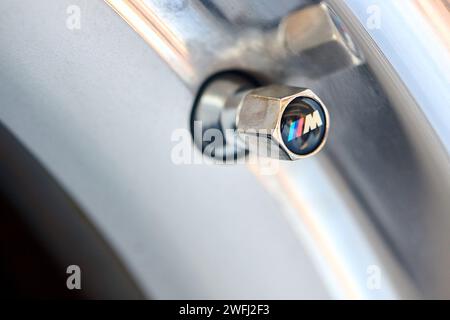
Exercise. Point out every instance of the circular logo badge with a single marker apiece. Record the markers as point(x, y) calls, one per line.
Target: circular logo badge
point(303, 126)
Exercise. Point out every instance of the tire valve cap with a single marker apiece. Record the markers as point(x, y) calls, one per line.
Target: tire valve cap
point(273, 121)
point(292, 120)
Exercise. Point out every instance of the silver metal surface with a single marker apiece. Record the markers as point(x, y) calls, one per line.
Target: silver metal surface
point(315, 42)
point(98, 108)
point(403, 173)
point(214, 114)
point(382, 184)
point(196, 39)
point(259, 115)
point(380, 197)
point(231, 116)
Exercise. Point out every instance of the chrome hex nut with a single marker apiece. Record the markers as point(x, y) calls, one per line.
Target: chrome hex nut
point(293, 121)
point(318, 40)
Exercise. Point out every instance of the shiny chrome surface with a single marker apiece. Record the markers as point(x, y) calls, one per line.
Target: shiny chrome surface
point(232, 116)
point(98, 108)
point(380, 195)
point(407, 195)
point(214, 114)
point(196, 40)
point(379, 199)
point(315, 42)
point(419, 58)
point(260, 114)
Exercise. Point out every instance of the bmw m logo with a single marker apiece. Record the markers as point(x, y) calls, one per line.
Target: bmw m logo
point(303, 126)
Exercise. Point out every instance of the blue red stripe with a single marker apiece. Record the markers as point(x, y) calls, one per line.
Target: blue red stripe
point(296, 129)
point(292, 131)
